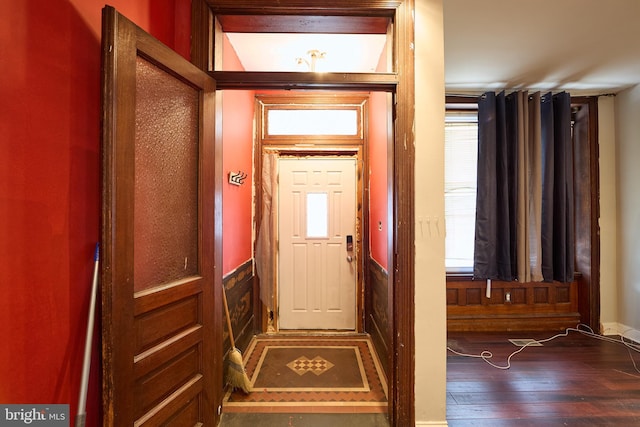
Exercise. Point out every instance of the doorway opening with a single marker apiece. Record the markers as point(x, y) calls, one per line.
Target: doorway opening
point(341, 171)
point(211, 19)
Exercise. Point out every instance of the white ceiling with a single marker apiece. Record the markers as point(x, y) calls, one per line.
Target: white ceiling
point(583, 46)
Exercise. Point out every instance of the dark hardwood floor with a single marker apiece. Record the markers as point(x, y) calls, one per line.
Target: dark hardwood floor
point(570, 381)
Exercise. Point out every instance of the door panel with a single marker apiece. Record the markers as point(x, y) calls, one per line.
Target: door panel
point(158, 273)
point(316, 271)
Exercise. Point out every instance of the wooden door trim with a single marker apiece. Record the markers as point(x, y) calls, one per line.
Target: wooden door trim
point(111, 36)
point(590, 268)
point(379, 82)
point(401, 165)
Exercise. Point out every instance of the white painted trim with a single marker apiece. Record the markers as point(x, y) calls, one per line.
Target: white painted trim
point(431, 423)
point(609, 328)
point(614, 328)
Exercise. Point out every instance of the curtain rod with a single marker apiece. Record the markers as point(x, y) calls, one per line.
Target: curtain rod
point(573, 93)
point(507, 91)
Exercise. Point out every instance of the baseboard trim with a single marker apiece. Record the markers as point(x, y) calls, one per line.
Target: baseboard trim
point(615, 328)
point(431, 423)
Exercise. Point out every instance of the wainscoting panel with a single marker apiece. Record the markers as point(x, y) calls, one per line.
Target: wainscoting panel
point(535, 306)
point(377, 320)
point(239, 288)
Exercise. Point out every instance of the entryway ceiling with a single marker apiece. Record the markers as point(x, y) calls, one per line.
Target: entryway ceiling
point(583, 46)
point(343, 53)
point(345, 44)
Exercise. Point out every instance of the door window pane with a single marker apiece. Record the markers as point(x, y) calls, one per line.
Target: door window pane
point(317, 215)
point(166, 178)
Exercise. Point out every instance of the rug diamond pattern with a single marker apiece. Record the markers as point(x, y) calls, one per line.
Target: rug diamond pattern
point(318, 365)
point(332, 387)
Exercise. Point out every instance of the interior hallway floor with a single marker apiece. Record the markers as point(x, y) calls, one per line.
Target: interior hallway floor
point(309, 381)
point(303, 420)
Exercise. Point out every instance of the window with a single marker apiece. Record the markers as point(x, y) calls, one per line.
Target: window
point(460, 168)
point(317, 215)
point(304, 119)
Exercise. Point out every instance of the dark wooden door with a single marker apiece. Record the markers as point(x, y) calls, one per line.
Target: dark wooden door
point(158, 234)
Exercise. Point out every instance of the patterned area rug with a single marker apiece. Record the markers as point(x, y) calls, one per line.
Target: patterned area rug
point(311, 374)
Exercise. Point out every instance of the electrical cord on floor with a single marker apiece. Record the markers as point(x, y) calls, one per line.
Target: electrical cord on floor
point(486, 355)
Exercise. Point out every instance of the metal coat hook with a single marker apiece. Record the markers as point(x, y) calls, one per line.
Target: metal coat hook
point(237, 178)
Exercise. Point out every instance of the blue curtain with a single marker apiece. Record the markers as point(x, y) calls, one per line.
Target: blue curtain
point(496, 245)
point(560, 265)
point(494, 249)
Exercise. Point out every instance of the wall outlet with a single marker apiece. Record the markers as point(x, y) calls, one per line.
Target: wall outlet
point(507, 297)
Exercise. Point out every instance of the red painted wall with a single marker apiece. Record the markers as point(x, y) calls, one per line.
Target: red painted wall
point(50, 187)
point(378, 177)
point(379, 136)
point(237, 155)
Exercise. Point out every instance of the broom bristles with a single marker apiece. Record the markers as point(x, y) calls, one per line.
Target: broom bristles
point(237, 376)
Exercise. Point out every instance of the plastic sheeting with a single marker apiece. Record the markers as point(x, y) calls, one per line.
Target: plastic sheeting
point(265, 246)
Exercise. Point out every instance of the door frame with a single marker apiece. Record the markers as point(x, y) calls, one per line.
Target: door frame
point(401, 169)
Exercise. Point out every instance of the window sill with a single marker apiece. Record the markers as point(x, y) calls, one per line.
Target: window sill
point(459, 276)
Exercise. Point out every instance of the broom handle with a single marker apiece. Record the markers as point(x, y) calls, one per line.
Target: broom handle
point(226, 312)
point(86, 365)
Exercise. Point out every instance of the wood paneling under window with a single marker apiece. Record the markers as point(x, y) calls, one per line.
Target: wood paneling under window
point(513, 306)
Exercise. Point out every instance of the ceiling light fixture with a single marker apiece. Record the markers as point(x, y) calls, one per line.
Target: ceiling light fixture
point(314, 55)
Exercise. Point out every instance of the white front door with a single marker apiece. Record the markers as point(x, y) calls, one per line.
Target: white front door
point(316, 227)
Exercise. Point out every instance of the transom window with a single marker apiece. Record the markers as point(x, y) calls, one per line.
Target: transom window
point(301, 119)
point(312, 122)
